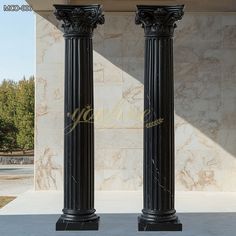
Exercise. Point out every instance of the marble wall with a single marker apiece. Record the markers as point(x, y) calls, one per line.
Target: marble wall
point(205, 103)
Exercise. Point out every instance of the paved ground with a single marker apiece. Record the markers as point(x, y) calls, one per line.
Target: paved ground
point(194, 224)
point(15, 179)
point(51, 202)
point(16, 170)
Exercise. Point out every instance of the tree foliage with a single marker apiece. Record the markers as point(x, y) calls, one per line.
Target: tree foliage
point(17, 114)
point(8, 133)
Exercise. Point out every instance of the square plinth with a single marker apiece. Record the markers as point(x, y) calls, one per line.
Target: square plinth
point(159, 226)
point(63, 225)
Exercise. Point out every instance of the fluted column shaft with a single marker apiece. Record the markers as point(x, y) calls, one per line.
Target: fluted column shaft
point(78, 140)
point(159, 139)
point(78, 25)
point(158, 192)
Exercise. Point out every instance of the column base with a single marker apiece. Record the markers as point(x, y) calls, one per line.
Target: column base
point(144, 225)
point(66, 225)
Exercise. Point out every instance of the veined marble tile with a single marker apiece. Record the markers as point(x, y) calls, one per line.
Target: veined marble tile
point(119, 138)
point(123, 159)
point(50, 120)
point(229, 34)
point(196, 169)
point(194, 29)
point(118, 179)
point(48, 173)
point(106, 159)
point(52, 49)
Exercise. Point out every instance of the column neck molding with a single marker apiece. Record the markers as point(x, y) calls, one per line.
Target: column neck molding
point(79, 21)
point(158, 21)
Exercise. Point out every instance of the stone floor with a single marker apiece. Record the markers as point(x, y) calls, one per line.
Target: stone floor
point(194, 224)
point(51, 202)
point(201, 213)
point(16, 179)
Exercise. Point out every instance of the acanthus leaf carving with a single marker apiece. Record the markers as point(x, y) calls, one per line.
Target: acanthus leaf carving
point(81, 19)
point(159, 20)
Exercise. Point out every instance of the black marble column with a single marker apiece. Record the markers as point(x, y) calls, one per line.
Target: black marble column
point(78, 25)
point(158, 212)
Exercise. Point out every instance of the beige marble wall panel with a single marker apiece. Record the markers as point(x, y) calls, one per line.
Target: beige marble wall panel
point(205, 103)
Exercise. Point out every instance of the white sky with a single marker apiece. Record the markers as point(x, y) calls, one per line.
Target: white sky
point(17, 42)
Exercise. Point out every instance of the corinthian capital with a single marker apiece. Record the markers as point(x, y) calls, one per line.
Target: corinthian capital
point(79, 19)
point(158, 20)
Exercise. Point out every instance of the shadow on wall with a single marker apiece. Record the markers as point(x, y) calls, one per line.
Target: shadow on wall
point(205, 68)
